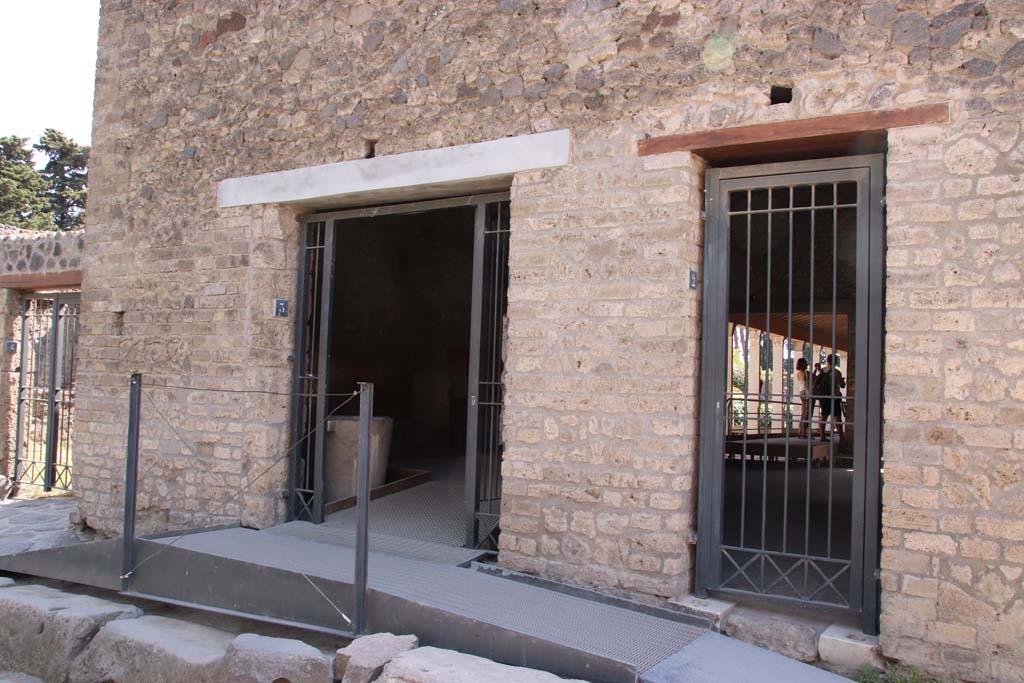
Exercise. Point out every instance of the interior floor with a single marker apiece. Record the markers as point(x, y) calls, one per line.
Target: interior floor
point(401, 319)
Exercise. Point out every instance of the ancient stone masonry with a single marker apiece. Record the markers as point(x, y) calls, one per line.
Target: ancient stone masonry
point(603, 344)
point(31, 251)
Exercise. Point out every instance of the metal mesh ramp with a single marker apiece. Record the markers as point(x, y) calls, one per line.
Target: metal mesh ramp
point(640, 640)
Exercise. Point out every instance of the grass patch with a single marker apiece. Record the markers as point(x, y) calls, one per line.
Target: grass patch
point(897, 673)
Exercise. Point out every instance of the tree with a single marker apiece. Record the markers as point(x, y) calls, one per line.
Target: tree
point(67, 175)
point(23, 200)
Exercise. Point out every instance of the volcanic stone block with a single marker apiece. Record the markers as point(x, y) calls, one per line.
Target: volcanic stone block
point(155, 650)
point(44, 629)
point(253, 658)
point(433, 665)
point(364, 659)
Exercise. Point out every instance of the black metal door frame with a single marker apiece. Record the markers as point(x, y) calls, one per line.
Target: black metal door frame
point(868, 171)
point(48, 353)
point(310, 375)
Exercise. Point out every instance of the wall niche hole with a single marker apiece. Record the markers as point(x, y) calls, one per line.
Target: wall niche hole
point(371, 149)
point(781, 94)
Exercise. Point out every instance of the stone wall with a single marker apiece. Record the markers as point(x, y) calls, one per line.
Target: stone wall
point(35, 252)
point(602, 359)
point(953, 508)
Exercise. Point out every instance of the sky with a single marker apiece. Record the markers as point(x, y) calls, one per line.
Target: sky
point(47, 67)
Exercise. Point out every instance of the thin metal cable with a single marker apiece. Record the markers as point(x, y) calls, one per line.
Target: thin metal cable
point(241, 391)
point(210, 515)
point(329, 601)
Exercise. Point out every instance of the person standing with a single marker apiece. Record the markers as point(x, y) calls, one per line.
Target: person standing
point(803, 382)
point(827, 387)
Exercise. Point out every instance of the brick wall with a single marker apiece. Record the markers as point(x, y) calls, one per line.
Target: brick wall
point(603, 353)
point(601, 404)
point(953, 508)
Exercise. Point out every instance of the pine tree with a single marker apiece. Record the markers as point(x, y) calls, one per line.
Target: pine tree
point(23, 200)
point(67, 175)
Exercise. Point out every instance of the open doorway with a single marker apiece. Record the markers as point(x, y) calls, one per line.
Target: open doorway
point(412, 299)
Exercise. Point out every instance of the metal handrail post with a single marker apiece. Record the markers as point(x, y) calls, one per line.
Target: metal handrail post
point(362, 506)
point(131, 471)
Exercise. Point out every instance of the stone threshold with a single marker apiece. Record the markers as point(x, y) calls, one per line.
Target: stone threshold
point(823, 639)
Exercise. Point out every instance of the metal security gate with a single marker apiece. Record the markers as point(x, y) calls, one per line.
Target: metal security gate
point(46, 391)
point(313, 401)
point(486, 374)
point(791, 396)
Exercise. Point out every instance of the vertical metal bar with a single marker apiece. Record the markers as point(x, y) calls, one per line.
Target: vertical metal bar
point(868, 409)
point(810, 440)
point(767, 384)
point(23, 411)
point(710, 493)
point(362, 506)
point(131, 475)
point(792, 369)
point(50, 452)
point(746, 387)
point(473, 407)
point(299, 363)
point(323, 372)
point(836, 419)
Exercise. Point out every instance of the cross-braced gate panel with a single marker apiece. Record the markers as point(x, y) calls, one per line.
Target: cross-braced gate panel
point(46, 391)
point(791, 417)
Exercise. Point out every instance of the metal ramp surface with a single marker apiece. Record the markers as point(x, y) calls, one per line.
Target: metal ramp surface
point(554, 631)
point(301, 575)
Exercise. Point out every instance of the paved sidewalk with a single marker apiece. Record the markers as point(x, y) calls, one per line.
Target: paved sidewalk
point(36, 524)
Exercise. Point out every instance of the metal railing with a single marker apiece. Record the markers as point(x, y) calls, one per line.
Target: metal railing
point(130, 565)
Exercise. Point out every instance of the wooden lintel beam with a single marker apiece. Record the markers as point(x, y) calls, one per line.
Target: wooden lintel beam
point(860, 122)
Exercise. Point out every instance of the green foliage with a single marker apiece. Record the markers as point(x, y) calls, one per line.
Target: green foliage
point(894, 674)
point(51, 199)
point(23, 201)
point(67, 174)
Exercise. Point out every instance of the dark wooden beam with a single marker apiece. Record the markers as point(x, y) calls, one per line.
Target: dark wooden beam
point(706, 142)
point(58, 280)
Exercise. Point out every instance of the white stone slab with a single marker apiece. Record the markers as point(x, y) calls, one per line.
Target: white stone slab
point(848, 648)
point(414, 175)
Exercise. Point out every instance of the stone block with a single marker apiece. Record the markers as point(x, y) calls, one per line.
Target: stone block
point(433, 665)
point(787, 633)
point(15, 677)
point(43, 629)
point(152, 649)
point(712, 609)
point(6, 581)
point(364, 659)
point(848, 648)
point(253, 658)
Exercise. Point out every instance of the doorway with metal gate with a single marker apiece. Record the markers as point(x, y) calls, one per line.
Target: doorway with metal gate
point(791, 391)
point(412, 298)
point(46, 392)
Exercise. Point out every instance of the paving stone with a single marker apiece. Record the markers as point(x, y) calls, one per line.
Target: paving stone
point(787, 633)
point(433, 665)
point(253, 658)
point(15, 677)
point(363, 659)
point(42, 629)
point(848, 648)
point(152, 649)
